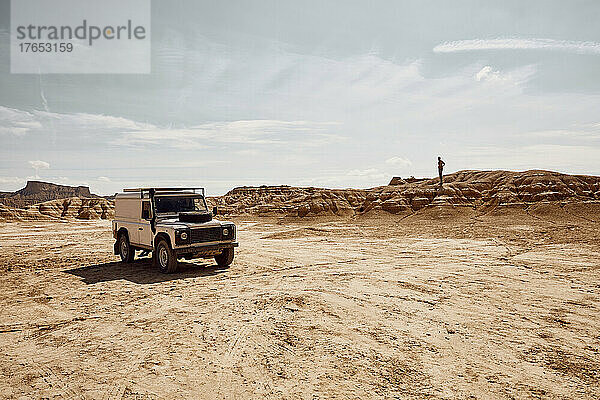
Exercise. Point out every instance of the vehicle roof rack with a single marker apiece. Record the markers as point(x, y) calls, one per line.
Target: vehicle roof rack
point(162, 189)
point(167, 191)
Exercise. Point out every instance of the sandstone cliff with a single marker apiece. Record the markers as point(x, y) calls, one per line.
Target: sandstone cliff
point(481, 190)
point(36, 192)
point(293, 201)
point(70, 208)
point(475, 189)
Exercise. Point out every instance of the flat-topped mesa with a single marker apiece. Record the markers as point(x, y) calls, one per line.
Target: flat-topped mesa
point(39, 188)
point(37, 192)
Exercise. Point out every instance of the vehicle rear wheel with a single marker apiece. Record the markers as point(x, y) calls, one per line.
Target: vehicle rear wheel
point(164, 257)
point(125, 251)
point(225, 258)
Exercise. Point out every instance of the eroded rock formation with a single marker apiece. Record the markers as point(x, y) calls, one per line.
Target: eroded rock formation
point(293, 201)
point(36, 192)
point(70, 208)
point(476, 189)
point(470, 189)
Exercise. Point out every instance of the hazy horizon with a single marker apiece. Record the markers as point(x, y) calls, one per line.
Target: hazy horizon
point(38, 179)
point(329, 94)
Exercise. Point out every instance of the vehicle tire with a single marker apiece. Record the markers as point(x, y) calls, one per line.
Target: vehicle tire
point(126, 252)
point(164, 257)
point(225, 258)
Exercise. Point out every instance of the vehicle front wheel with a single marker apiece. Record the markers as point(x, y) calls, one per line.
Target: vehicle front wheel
point(225, 258)
point(125, 251)
point(164, 257)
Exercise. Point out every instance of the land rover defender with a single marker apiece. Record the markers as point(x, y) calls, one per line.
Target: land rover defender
point(171, 223)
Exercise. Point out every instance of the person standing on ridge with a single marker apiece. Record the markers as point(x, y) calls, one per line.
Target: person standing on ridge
point(441, 169)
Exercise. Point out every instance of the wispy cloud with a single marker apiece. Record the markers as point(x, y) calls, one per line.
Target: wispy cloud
point(488, 74)
point(17, 122)
point(370, 176)
point(20, 122)
point(39, 164)
point(356, 178)
point(518, 44)
point(575, 132)
point(12, 180)
point(399, 162)
point(125, 132)
point(249, 132)
point(568, 158)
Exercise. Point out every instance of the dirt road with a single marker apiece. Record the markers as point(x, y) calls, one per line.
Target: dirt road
point(473, 307)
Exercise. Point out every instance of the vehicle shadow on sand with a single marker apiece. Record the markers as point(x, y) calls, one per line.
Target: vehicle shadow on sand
point(142, 272)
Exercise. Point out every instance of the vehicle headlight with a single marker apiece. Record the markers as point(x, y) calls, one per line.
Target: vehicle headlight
point(225, 232)
point(184, 236)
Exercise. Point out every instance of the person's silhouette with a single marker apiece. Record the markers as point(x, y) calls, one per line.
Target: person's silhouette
point(441, 170)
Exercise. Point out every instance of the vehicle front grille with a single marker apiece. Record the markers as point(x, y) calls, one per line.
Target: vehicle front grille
point(206, 235)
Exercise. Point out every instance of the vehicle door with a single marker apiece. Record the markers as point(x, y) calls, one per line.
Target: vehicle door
point(144, 228)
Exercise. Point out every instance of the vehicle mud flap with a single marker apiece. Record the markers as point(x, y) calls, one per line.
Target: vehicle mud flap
point(116, 247)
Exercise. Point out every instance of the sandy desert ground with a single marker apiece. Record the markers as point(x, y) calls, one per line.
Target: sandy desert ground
point(499, 305)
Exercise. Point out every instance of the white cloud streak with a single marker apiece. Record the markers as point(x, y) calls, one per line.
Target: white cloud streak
point(399, 162)
point(39, 164)
point(125, 132)
point(12, 180)
point(488, 74)
point(250, 132)
point(518, 44)
point(556, 157)
point(586, 132)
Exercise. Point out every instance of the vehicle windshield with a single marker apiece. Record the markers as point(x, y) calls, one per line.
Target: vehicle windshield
point(177, 204)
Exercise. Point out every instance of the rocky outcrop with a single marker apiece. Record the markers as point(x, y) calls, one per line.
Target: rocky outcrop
point(75, 207)
point(292, 201)
point(36, 192)
point(461, 190)
point(489, 188)
point(70, 208)
point(43, 200)
point(474, 189)
point(19, 214)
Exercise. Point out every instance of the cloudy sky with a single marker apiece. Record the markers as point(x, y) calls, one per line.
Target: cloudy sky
point(320, 93)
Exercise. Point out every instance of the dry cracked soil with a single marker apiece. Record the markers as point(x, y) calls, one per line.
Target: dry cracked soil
point(473, 306)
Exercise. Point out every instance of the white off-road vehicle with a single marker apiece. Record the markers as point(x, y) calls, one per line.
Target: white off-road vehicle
point(171, 223)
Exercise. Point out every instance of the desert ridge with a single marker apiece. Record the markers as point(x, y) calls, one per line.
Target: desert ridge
point(69, 208)
point(471, 189)
point(483, 190)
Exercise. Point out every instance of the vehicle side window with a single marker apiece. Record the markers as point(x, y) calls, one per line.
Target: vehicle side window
point(145, 210)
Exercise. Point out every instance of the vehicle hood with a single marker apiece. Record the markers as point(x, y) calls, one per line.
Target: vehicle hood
point(175, 223)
